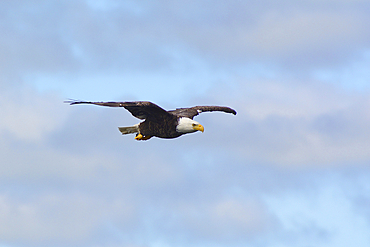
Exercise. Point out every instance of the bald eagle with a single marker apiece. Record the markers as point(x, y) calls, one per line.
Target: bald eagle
point(159, 122)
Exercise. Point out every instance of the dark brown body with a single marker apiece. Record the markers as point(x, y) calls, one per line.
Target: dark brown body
point(162, 129)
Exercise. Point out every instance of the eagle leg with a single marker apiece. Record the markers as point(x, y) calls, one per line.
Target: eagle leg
point(140, 137)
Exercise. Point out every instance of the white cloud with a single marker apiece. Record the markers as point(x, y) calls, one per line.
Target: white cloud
point(29, 116)
point(62, 218)
point(324, 216)
point(293, 123)
point(286, 34)
point(260, 99)
point(79, 38)
point(228, 220)
point(69, 177)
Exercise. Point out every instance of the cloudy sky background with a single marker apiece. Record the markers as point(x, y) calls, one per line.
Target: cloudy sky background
point(291, 169)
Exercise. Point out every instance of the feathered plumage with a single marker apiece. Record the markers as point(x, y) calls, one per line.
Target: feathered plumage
point(159, 122)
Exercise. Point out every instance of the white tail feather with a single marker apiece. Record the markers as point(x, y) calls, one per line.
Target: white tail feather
point(129, 130)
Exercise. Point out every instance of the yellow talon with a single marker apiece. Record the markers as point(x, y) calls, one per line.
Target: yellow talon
point(140, 137)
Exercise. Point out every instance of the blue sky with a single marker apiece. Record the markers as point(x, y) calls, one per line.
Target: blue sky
point(291, 169)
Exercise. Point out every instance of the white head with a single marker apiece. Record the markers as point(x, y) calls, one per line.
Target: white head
point(187, 125)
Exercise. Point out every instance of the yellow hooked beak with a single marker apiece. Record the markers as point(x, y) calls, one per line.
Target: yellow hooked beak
point(198, 127)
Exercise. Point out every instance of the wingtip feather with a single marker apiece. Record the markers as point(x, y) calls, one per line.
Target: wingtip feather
point(74, 102)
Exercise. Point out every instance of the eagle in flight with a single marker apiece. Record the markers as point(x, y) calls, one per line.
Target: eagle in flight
point(157, 121)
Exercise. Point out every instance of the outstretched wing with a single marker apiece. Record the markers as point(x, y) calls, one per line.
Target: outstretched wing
point(194, 111)
point(139, 109)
